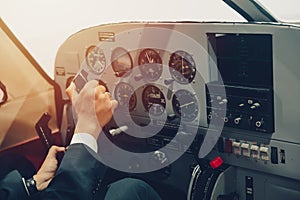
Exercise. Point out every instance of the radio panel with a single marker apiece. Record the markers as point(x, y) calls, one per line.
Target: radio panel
point(245, 69)
point(246, 108)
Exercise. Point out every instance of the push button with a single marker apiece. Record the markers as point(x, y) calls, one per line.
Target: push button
point(254, 149)
point(236, 148)
point(215, 163)
point(264, 155)
point(245, 149)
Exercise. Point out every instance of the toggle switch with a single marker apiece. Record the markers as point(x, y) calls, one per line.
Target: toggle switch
point(237, 120)
point(254, 150)
point(236, 148)
point(245, 147)
point(255, 106)
point(259, 123)
point(264, 154)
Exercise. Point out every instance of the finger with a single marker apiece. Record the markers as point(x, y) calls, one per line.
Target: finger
point(114, 104)
point(55, 149)
point(60, 149)
point(91, 84)
point(108, 95)
point(48, 181)
point(100, 89)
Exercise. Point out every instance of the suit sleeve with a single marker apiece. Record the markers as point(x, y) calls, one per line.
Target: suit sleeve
point(12, 187)
point(79, 176)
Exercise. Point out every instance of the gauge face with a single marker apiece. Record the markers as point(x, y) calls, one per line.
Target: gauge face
point(185, 105)
point(150, 64)
point(95, 59)
point(182, 67)
point(125, 96)
point(154, 100)
point(121, 61)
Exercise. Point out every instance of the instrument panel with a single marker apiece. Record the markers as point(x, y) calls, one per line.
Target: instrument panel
point(150, 82)
point(155, 95)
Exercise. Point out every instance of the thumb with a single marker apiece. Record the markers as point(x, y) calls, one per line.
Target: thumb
point(54, 150)
point(71, 91)
point(114, 104)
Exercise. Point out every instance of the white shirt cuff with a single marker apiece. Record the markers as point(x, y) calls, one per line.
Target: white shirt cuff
point(86, 139)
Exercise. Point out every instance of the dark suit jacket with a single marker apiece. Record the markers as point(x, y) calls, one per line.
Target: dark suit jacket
point(79, 176)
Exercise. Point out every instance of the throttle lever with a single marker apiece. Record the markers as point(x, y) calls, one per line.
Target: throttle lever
point(45, 134)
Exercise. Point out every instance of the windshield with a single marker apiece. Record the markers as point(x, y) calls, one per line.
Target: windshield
point(42, 26)
point(285, 11)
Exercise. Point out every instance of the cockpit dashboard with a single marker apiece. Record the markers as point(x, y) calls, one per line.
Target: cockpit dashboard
point(225, 89)
point(206, 110)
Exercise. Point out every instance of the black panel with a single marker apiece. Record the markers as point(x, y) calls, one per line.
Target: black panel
point(245, 67)
point(244, 59)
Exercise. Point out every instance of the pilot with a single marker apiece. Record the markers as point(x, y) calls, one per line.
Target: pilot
point(79, 176)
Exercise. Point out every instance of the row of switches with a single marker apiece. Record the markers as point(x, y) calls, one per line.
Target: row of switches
point(250, 150)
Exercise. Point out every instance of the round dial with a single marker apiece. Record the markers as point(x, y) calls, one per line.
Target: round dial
point(185, 105)
point(125, 96)
point(150, 64)
point(182, 67)
point(95, 59)
point(154, 100)
point(121, 61)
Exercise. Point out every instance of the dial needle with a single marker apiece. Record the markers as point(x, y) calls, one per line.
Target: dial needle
point(149, 60)
point(186, 104)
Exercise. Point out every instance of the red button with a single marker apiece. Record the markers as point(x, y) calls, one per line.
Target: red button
point(215, 163)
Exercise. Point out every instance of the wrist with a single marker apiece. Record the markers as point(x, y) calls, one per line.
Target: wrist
point(88, 127)
point(87, 139)
point(38, 182)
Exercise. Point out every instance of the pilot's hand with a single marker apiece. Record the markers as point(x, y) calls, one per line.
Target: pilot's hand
point(94, 107)
point(48, 168)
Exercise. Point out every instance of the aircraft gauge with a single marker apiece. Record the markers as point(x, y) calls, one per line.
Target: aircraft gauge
point(125, 96)
point(185, 105)
point(154, 100)
point(95, 59)
point(121, 61)
point(182, 67)
point(150, 64)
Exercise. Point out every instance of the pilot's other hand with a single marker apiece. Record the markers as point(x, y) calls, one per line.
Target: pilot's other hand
point(48, 168)
point(93, 105)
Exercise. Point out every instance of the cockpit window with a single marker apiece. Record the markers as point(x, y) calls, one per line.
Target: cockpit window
point(285, 11)
point(42, 26)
